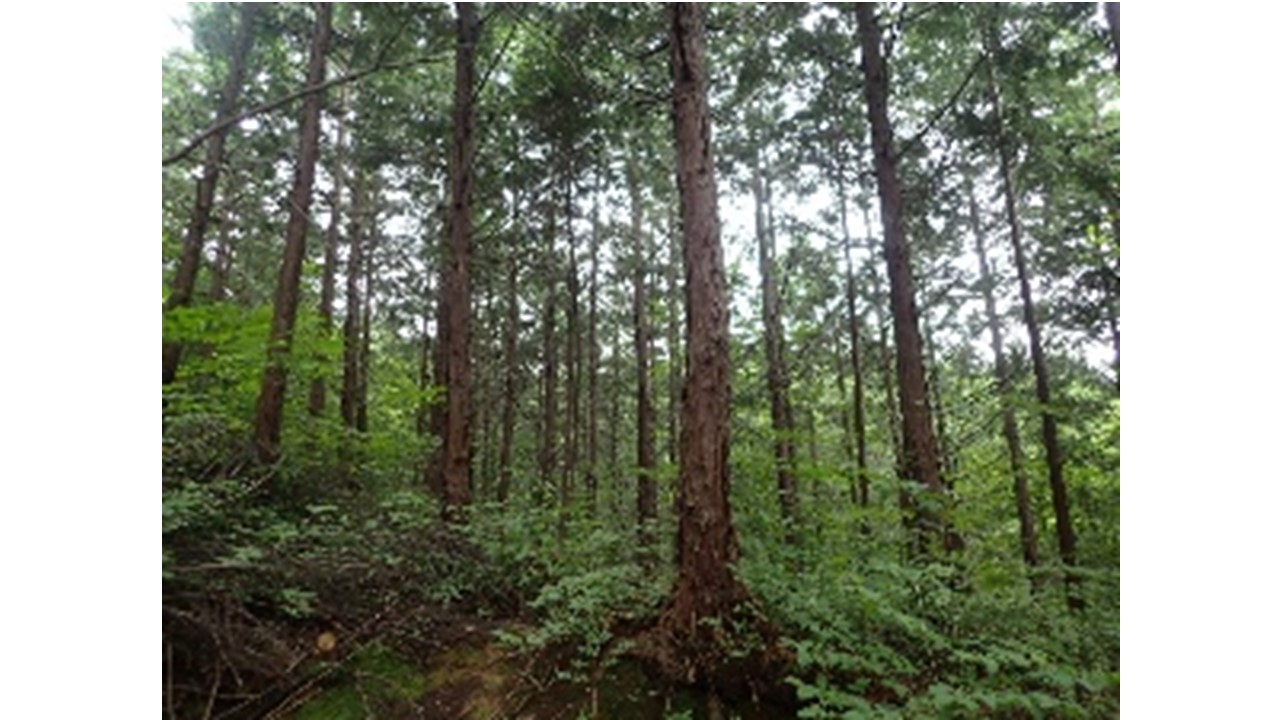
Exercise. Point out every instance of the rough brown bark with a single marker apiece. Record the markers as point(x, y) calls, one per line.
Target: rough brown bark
point(781, 417)
point(920, 447)
point(1012, 438)
point(271, 396)
point(328, 280)
point(1048, 421)
point(706, 543)
point(457, 436)
point(647, 486)
point(184, 279)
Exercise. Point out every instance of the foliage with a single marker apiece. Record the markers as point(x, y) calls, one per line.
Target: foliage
point(344, 530)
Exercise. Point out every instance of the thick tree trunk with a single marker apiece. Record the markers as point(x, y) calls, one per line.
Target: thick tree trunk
point(184, 279)
point(1017, 460)
point(780, 413)
point(1048, 420)
point(271, 397)
point(457, 436)
point(646, 484)
point(920, 447)
point(328, 281)
point(706, 543)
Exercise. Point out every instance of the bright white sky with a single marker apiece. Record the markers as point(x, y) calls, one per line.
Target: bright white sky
point(172, 36)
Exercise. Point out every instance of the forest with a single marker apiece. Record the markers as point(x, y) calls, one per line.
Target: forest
point(639, 360)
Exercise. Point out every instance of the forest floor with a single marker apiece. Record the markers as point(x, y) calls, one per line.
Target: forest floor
point(436, 664)
point(424, 661)
point(459, 666)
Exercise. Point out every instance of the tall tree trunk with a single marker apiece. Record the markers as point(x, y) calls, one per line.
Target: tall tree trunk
point(328, 280)
point(861, 490)
point(780, 412)
point(920, 447)
point(646, 484)
point(271, 397)
point(945, 458)
point(349, 401)
point(220, 282)
point(550, 367)
point(510, 368)
point(676, 365)
point(706, 543)
point(593, 362)
point(1048, 421)
point(573, 361)
point(366, 320)
point(1017, 461)
point(457, 444)
point(615, 403)
point(184, 279)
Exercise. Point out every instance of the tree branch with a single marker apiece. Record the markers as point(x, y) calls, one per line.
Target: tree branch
point(221, 125)
point(943, 110)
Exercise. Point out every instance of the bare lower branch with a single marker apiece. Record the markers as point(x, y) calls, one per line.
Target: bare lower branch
point(218, 127)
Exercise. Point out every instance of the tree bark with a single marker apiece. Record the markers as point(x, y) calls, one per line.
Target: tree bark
point(550, 367)
point(675, 365)
point(593, 363)
point(1009, 423)
point(349, 402)
point(646, 484)
point(573, 361)
point(920, 447)
point(184, 279)
point(220, 282)
point(510, 369)
point(780, 413)
point(457, 445)
point(328, 280)
point(706, 542)
point(1048, 420)
point(861, 487)
point(366, 318)
point(270, 411)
